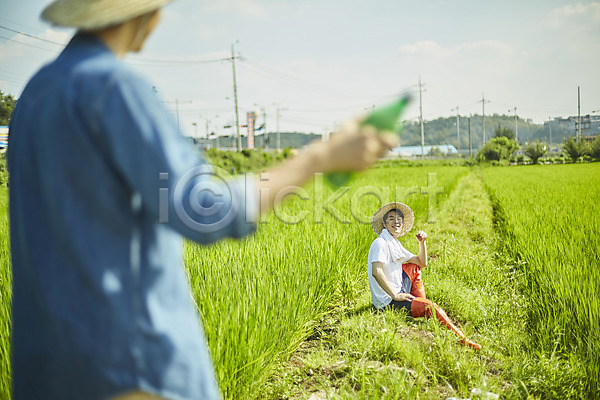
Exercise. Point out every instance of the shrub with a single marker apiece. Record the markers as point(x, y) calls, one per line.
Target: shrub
point(498, 148)
point(245, 161)
point(595, 148)
point(575, 149)
point(536, 150)
point(287, 152)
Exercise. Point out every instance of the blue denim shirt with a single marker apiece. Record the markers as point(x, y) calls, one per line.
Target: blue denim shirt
point(102, 189)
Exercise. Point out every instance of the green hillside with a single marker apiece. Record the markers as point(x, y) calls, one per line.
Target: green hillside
point(436, 132)
point(443, 131)
point(287, 139)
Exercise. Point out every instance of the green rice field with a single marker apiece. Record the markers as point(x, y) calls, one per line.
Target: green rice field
point(513, 258)
point(550, 220)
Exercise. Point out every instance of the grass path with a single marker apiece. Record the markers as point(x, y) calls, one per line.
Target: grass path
point(359, 353)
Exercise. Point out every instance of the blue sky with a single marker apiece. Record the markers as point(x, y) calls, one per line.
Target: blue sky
point(323, 61)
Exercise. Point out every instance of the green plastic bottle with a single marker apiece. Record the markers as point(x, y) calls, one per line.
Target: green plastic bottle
point(383, 119)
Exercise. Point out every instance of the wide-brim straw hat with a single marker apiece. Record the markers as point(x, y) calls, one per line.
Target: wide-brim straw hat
point(91, 15)
point(409, 217)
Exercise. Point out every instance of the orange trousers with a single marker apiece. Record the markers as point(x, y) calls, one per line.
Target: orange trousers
point(414, 273)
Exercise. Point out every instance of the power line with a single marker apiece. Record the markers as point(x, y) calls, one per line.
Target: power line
point(421, 118)
point(32, 36)
point(237, 119)
point(28, 44)
point(272, 73)
point(159, 61)
point(133, 60)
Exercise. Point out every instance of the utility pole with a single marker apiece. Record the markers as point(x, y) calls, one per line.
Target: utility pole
point(237, 118)
point(279, 109)
point(265, 134)
point(264, 126)
point(207, 135)
point(483, 101)
point(550, 125)
point(457, 129)
point(278, 133)
point(470, 142)
point(516, 126)
point(177, 110)
point(421, 118)
point(578, 115)
point(195, 125)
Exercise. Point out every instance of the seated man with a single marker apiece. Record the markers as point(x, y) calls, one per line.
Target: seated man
point(395, 273)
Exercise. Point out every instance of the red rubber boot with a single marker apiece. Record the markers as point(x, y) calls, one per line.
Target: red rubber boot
point(425, 308)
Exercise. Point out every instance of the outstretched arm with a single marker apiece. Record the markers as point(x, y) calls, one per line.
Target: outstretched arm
point(354, 148)
point(421, 258)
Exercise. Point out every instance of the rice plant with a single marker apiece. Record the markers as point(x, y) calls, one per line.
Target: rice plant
point(5, 296)
point(550, 223)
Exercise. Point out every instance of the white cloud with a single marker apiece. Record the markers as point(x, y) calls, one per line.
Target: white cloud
point(486, 47)
point(471, 59)
point(253, 8)
point(430, 50)
point(426, 48)
point(576, 27)
point(572, 16)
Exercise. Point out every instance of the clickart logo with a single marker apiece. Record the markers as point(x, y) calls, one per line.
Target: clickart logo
point(207, 199)
point(203, 199)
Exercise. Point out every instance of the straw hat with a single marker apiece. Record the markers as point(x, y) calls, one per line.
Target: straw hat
point(96, 14)
point(409, 217)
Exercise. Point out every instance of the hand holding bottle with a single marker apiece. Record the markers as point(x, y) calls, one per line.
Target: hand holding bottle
point(381, 120)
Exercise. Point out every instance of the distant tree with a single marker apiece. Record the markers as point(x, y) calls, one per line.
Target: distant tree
point(498, 148)
point(595, 148)
point(576, 149)
point(536, 150)
point(502, 131)
point(7, 103)
point(287, 152)
point(436, 152)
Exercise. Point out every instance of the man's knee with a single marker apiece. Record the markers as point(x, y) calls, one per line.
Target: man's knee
point(422, 307)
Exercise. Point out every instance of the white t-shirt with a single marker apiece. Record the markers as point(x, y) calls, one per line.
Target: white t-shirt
point(380, 252)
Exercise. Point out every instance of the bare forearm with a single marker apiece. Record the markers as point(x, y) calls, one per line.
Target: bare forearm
point(291, 173)
point(355, 148)
point(422, 256)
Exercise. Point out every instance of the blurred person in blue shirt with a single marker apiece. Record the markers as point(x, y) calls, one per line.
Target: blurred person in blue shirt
point(103, 187)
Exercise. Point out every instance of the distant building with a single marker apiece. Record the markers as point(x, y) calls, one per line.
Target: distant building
point(590, 125)
point(3, 138)
point(415, 151)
